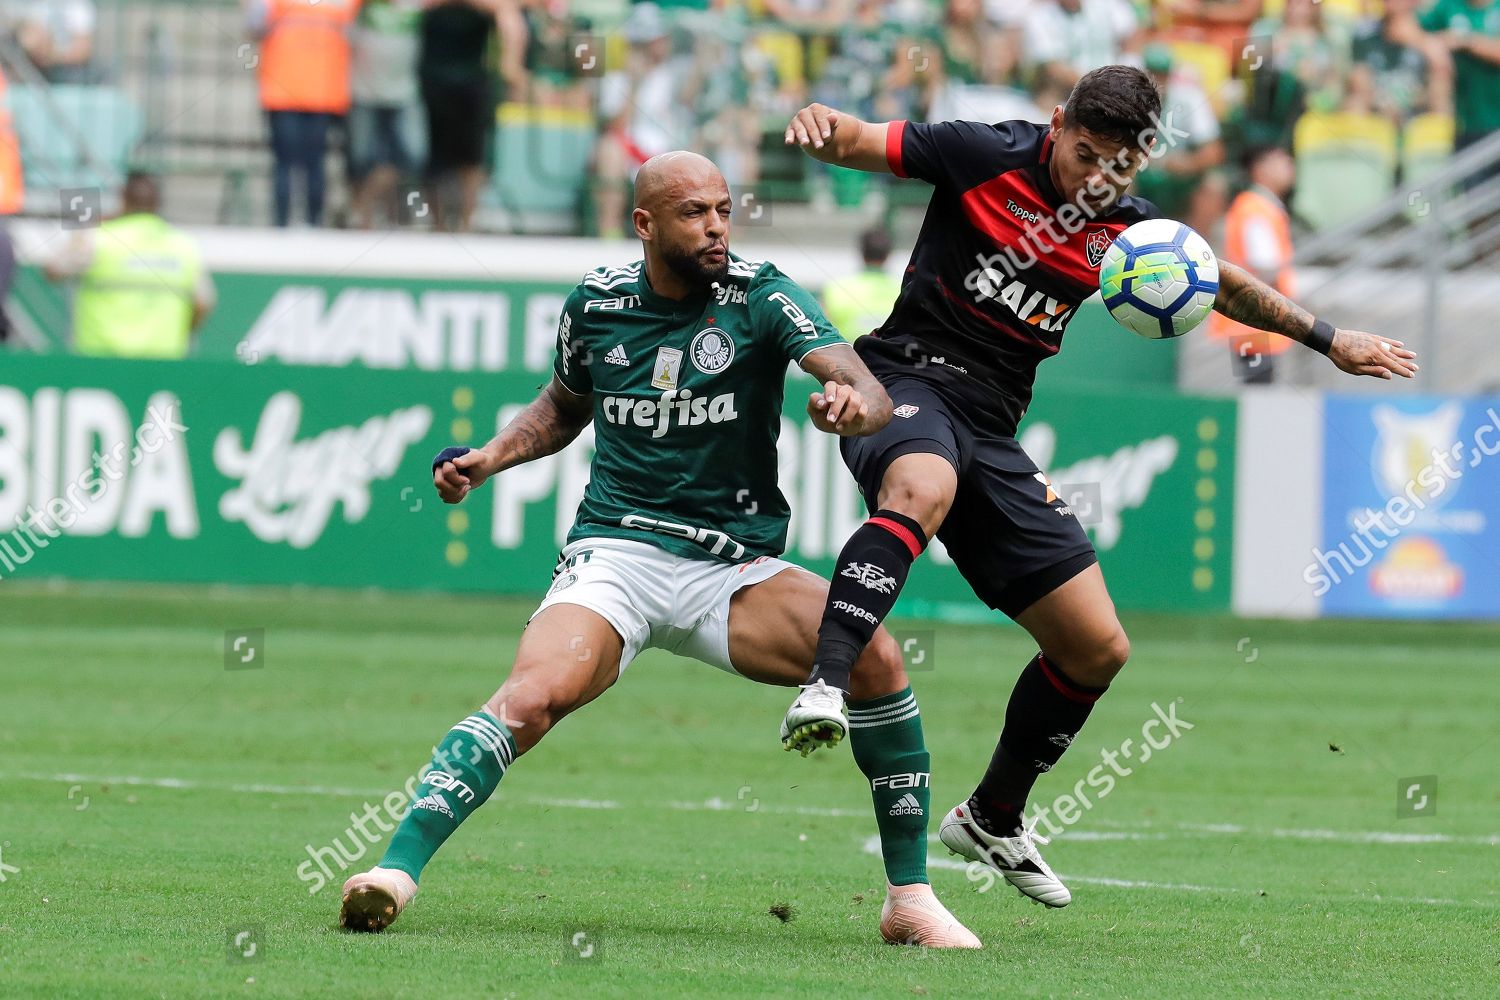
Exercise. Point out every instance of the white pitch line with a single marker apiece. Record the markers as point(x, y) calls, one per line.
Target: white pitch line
point(1340, 836)
point(1118, 883)
point(1145, 832)
point(183, 784)
point(872, 846)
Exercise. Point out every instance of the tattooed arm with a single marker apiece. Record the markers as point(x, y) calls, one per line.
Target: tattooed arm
point(1246, 299)
point(852, 401)
point(546, 426)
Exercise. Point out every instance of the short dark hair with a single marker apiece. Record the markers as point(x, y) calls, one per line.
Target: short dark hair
point(141, 192)
point(1119, 103)
point(875, 245)
point(1253, 155)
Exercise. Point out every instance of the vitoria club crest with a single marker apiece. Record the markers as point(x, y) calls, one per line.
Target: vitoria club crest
point(1097, 246)
point(712, 350)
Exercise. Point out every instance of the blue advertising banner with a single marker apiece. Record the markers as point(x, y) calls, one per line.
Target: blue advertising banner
point(1411, 509)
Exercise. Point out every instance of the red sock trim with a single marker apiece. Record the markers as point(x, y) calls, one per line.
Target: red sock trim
point(901, 532)
point(1066, 687)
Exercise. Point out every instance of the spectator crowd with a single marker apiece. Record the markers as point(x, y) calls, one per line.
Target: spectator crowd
point(411, 100)
point(417, 82)
point(405, 96)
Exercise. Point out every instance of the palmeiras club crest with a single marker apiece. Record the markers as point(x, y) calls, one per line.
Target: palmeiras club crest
point(1096, 246)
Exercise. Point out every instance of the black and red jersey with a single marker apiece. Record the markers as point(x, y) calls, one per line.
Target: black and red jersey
point(1000, 266)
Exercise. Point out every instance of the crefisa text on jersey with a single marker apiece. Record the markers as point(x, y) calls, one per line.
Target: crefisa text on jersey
point(675, 407)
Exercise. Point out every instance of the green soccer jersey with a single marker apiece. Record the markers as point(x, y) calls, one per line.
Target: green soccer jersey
point(687, 405)
point(1476, 86)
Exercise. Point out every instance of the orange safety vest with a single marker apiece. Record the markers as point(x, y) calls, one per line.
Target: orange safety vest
point(12, 186)
point(1248, 205)
point(304, 56)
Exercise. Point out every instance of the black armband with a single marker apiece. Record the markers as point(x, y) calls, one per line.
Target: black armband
point(1321, 338)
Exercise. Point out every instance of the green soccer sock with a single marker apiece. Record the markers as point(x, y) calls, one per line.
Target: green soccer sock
point(886, 736)
point(466, 767)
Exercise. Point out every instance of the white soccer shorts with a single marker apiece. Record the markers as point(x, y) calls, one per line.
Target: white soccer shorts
point(654, 598)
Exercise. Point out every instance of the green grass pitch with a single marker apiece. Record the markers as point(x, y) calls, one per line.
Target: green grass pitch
point(155, 806)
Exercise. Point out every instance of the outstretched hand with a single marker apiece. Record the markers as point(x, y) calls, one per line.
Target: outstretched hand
point(1366, 354)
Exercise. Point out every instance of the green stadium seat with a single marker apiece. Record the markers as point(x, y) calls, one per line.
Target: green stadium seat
point(1346, 165)
point(89, 146)
point(541, 165)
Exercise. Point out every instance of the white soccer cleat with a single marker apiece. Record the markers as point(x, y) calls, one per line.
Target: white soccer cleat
point(1014, 857)
point(816, 719)
point(913, 915)
point(374, 899)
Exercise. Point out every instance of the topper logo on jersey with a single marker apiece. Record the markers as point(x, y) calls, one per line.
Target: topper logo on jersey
point(1035, 308)
point(675, 407)
point(712, 350)
point(1032, 217)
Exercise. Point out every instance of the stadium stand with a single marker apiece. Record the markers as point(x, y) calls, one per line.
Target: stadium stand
point(170, 85)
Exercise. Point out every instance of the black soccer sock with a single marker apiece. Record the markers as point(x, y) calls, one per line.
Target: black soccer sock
point(872, 568)
point(1045, 713)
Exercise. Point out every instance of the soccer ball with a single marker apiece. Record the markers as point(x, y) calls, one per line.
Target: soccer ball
point(1159, 279)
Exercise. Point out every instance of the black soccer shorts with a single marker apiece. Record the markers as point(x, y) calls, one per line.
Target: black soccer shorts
point(1010, 535)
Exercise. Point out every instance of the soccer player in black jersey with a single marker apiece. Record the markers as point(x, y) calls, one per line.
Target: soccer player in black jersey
point(1019, 221)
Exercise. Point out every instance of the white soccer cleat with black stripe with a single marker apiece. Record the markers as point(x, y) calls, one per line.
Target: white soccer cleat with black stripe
point(374, 899)
point(816, 719)
point(1014, 857)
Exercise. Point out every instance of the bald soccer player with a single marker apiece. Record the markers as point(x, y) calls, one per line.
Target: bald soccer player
point(680, 361)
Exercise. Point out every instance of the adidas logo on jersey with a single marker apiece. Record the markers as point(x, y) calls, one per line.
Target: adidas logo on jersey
point(434, 802)
point(906, 805)
point(616, 356)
